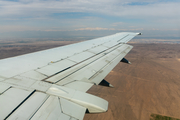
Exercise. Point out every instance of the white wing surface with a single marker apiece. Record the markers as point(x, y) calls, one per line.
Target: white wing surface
point(52, 84)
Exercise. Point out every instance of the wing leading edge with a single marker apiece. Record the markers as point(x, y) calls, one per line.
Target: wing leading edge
point(52, 84)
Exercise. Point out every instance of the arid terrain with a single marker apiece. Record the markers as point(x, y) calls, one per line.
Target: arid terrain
point(150, 85)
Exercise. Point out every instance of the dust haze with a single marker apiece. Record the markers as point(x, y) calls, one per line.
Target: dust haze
point(150, 85)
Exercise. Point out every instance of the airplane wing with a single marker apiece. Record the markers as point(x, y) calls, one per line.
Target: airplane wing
point(52, 84)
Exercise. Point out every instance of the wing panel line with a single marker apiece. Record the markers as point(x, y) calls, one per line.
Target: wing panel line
point(78, 64)
point(87, 64)
point(20, 104)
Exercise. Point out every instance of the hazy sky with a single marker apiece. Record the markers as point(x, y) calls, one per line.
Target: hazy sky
point(57, 18)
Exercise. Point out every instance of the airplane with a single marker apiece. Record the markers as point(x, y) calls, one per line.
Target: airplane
point(52, 84)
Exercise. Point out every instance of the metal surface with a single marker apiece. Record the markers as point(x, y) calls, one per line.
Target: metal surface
point(41, 86)
point(50, 110)
point(97, 49)
point(62, 75)
point(79, 85)
point(101, 75)
point(110, 44)
point(53, 68)
point(72, 109)
point(81, 56)
point(9, 100)
point(34, 75)
point(2, 78)
point(4, 87)
point(20, 81)
point(61, 91)
point(95, 68)
point(92, 103)
point(29, 107)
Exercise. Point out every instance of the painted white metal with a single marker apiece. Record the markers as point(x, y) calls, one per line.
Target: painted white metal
point(124, 47)
point(79, 85)
point(126, 39)
point(112, 48)
point(4, 87)
point(50, 113)
point(50, 110)
point(118, 38)
point(99, 76)
point(34, 75)
point(73, 119)
point(62, 117)
point(20, 81)
point(71, 70)
point(61, 91)
point(119, 50)
point(72, 109)
point(29, 107)
point(110, 44)
point(55, 67)
point(81, 56)
point(98, 68)
point(61, 75)
point(91, 69)
point(2, 78)
point(16, 65)
point(9, 100)
point(41, 86)
point(97, 49)
point(78, 75)
point(92, 103)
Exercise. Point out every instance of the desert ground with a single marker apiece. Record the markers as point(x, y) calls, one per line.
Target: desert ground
point(149, 86)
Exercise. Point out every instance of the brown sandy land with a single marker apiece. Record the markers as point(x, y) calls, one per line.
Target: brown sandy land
point(151, 84)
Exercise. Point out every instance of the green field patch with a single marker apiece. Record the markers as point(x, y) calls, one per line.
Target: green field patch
point(161, 117)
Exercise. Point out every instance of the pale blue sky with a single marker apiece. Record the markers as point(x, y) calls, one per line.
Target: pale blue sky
point(58, 18)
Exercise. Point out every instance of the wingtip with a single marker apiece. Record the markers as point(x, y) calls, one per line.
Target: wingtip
point(139, 33)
